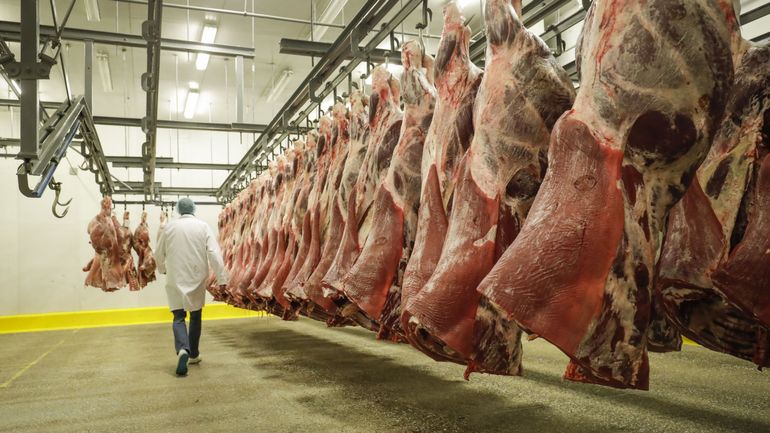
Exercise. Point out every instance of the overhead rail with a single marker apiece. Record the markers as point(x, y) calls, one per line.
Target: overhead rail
point(301, 47)
point(41, 149)
point(169, 163)
point(11, 31)
point(151, 31)
point(251, 128)
point(247, 14)
point(311, 90)
point(179, 124)
point(135, 188)
point(162, 203)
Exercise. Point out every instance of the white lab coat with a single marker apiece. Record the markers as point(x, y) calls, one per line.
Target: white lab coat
point(186, 249)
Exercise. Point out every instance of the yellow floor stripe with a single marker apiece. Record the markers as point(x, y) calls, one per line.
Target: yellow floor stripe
point(18, 374)
point(118, 317)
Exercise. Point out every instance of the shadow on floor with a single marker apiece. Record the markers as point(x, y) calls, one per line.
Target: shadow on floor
point(355, 384)
point(363, 389)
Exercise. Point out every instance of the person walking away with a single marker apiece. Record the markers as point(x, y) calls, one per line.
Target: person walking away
point(186, 249)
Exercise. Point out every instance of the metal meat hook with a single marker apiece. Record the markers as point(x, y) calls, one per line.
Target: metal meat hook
point(56, 186)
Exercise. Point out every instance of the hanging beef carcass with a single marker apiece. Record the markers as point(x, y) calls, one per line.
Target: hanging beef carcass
point(522, 94)
point(655, 76)
point(374, 282)
point(708, 232)
point(319, 222)
point(450, 134)
point(292, 226)
point(334, 214)
point(141, 244)
point(242, 246)
point(105, 270)
point(126, 240)
point(358, 131)
point(281, 225)
point(745, 276)
point(224, 227)
point(384, 127)
point(302, 219)
point(245, 238)
point(271, 236)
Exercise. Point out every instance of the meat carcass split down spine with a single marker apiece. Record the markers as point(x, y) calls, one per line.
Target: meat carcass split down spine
point(522, 94)
point(113, 266)
point(708, 289)
point(580, 273)
point(373, 283)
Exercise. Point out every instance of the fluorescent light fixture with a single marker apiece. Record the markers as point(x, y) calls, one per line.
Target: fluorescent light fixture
point(191, 101)
point(327, 16)
point(92, 10)
point(202, 61)
point(208, 35)
point(279, 85)
point(209, 32)
point(105, 74)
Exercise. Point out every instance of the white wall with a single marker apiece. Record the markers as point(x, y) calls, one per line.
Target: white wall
point(41, 257)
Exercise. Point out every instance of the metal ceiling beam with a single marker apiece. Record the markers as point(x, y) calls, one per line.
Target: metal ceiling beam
point(162, 203)
point(242, 13)
point(300, 47)
point(765, 37)
point(372, 13)
point(127, 159)
point(247, 14)
point(178, 124)
point(250, 128)
point(755, 14)
point(136, 189)
point(161, 163)
point(11, 31)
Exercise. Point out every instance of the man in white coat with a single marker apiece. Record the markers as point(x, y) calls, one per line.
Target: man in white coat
point(186, 249)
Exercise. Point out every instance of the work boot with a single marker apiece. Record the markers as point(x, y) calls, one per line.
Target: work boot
point(181, 365)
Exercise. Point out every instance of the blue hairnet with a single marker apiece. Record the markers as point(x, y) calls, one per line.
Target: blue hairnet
point(185, 206)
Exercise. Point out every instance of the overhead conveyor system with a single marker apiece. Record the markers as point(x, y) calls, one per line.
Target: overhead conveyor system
point(41, 148)
point(151, 31)
point(312, 91)
point(136, 188)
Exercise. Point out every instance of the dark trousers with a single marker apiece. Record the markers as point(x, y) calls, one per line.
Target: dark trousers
point(183, 339)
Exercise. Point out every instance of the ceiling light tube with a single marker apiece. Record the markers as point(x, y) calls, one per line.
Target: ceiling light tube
point(280, 85)
point(105, 73)
point(202, 61)
point(191, 101)
point(209, 32)
point(92, 10)
point(208, 35)
point(329, 14)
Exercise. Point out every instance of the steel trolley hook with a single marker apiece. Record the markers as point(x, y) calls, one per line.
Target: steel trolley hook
point(56, 187)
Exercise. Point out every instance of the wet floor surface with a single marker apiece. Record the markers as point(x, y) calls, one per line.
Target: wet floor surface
point(265, 375)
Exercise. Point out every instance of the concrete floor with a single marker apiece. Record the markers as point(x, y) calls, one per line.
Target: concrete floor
point(266, 375)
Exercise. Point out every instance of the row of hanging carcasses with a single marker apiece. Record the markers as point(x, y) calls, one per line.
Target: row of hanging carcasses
point(500, 201)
